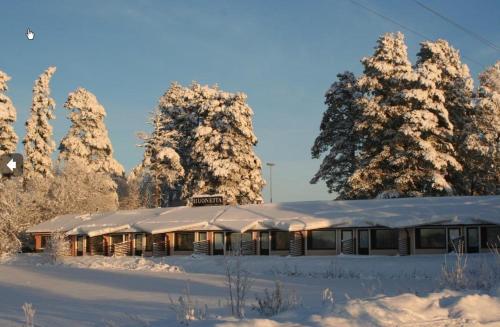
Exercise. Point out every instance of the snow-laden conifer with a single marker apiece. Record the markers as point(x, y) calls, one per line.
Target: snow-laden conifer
point(38, 142)
point(87, 142)
point(386, 75)
point(223, 159)
point(428, 134)
point(338, 137)
point(167, 150)
point(8, 138)
point(457, 86)
point(481, 144)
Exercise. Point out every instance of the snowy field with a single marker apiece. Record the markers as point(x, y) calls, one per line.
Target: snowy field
point(128, 291)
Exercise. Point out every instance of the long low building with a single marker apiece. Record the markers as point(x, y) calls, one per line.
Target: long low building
point(366, 227)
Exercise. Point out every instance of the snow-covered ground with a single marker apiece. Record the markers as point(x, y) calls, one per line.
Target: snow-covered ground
point(128, 291)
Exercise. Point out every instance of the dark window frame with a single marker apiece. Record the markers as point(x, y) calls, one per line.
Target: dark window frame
point(176, 242)
point(44, 240)
point(112, 236)
point(274, 239)
point(202, 233)
point(418, 237)
point(310, 240)
point(373, 239)
point(484, 236)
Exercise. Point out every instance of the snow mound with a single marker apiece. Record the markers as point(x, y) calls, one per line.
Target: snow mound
point(94, 262)
point(122, 263)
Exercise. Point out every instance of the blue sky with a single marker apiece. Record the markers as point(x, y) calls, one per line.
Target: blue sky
point(283, 54)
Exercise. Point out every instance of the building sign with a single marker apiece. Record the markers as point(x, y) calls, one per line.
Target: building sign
point(207, 200)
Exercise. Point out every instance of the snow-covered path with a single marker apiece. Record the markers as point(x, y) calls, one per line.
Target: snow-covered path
point(126, 292)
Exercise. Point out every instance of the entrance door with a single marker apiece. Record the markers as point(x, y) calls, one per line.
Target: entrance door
point(472, 239)
point(264, 243)
point(454, 243)
point(79, 245)
point(363, 247)
point(218, 243)
point(138, 244)
point(347, 242)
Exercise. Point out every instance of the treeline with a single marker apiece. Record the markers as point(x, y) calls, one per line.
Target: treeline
point(202, 143)
point(403, 130)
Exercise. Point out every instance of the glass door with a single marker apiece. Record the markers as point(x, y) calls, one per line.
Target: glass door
point(347, 242)
point(218, 243)
point(472, 240)
point(79, 245)
point(454, 243)
point(138, 244)
point(264, 243)
point(363, 247)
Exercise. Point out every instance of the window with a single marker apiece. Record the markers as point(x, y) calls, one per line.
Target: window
point(184, 241)
point(385, 239)
point(490, 236)
point(431, 238)
point(280, 241)
point(246, 237)
point(149, 242)
point(116, 239)
point(234, 240)
point(322, 240)
point(202, 236)
point(264, 241)
point(43, 242)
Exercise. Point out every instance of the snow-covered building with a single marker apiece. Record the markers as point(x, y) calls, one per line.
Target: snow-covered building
point(387, 226)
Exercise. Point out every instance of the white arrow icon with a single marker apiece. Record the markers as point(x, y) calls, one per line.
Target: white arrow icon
point(12, 165)
point(30, 34)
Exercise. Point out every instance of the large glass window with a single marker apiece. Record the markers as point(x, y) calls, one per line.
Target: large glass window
point(264, 241)
point(431, 238)
point(44, 241)
point(280, 241)
point(116, 239)
point(490, 237)
point(234, 240)
point(219, 241)
point(202, 236)
point(384, 239)
point(184, 241)
point(322, 240)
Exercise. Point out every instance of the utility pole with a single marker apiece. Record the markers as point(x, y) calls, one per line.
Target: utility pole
point(270, 164)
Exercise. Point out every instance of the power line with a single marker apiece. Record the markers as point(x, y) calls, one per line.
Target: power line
point(466, 30)
point(409, 29)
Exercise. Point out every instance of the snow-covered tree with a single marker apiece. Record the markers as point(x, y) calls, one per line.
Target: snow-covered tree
point(167, 149)
point(428, 158)
point(75, 190)
point(38, 142)
point(223, 158)
point(338, 136)
point(386, 75)
point(87, 142)
point(10, 223)
point(481, 143)
point(8, 138)
point(457, 85)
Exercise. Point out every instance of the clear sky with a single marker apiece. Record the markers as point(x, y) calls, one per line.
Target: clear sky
point(283, 54)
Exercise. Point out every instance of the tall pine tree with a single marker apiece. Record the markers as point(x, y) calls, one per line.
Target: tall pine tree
point(338, 136)
point(87, 142)
point(482, 142)
point(427, 131)
point(8, 138)
point(223, 158)
point(386, 76)
point(38, 142)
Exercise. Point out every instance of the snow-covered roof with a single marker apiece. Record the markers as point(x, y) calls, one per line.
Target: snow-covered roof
point(288, 216)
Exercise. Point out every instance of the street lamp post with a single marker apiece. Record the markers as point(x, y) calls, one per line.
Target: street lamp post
point(270, 164)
